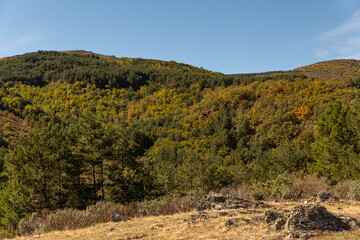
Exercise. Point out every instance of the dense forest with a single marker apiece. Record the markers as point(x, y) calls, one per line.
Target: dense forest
point(79, 127)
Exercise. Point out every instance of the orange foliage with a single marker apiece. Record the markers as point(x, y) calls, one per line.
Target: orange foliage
point(304, 112)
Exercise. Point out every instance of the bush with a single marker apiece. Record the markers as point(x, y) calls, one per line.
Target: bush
point(168, 205)
point(280, 187)
point(69, 219)
point(5, 234)
point(354, 190)
point(295, 185)
point(240, 191)
point(308, 185)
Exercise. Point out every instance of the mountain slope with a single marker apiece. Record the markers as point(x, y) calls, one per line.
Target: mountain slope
point(124, 130)
point(345, 68)
point(43, 67)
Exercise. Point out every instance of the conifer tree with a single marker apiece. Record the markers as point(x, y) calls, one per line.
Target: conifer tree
point(336, 148)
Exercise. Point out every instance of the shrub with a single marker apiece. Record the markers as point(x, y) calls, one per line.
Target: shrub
point(69, 219)
point(354, 190)
point(240, 191)
point(5, 234)
point(308, 185)
point(295, 185)
point(280, 187)
point(168, 205)
point(348, 189)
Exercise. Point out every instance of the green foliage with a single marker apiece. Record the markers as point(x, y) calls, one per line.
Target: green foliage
point(285, 158)
point(36, 161)
point(15, 204)
point(125, 130)
point(281, 187)
point(336, 147)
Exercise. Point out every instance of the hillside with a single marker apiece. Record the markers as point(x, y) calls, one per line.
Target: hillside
point(86, 128)
point(345, 68)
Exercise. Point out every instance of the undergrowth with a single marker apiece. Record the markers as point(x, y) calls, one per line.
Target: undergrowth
point(285, 186)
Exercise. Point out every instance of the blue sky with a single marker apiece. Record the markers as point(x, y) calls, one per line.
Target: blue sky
point(228, 36)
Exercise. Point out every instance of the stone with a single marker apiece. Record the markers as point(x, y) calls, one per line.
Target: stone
point(221, 202)
point(201, 216)
point(272, 216)
point(230, 223)
point(313, 218)
point(279, 224)
point(296, 234)
point(211, 201)
point(352, 222)
point(118, 218)
point(323, 196)
point(233, 222)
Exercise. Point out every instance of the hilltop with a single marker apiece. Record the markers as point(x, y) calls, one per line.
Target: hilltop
point(79, 128)
point(344, 68)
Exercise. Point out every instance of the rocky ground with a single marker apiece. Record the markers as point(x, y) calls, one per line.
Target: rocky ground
point(223, 217)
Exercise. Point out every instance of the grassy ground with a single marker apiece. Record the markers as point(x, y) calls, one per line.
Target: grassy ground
point(248, 225)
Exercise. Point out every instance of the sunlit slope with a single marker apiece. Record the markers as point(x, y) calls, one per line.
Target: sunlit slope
point(344, 68)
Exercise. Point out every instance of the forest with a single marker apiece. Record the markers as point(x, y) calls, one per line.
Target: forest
point(102, 128)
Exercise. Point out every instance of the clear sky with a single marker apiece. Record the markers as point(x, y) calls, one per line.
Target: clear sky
point(228, 36)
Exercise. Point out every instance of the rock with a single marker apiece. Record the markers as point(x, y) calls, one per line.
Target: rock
point(258, 197)
point(260, 205)
point(296, 234)
point(352, 222)
point(308, 217)
point(233, 222)
point(218, 198)
point(316, 217)
point(323, 196)
point(226, 213)
point(156, 226)
point(201, 216)
point(279, 224)
point(220, 202)
point(250, 211)
point(272, 216)
point(118, 218)
point(211, 201)
point(257, 218)
point(230, 223)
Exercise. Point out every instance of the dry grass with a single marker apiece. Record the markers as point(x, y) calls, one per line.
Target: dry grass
point(178, 226)
point(164, 227)
point(70, 219)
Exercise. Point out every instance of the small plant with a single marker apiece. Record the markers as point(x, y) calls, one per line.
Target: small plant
point(308, 185)
point(354, 190)
point(5, 234)
point(280, 187)
point(240, 191)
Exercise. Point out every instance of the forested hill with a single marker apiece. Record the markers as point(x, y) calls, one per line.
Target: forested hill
point(345, 68)
point(97, 127)
point(103, 71)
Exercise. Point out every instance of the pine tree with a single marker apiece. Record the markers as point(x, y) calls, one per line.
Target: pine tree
point(336, 148)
